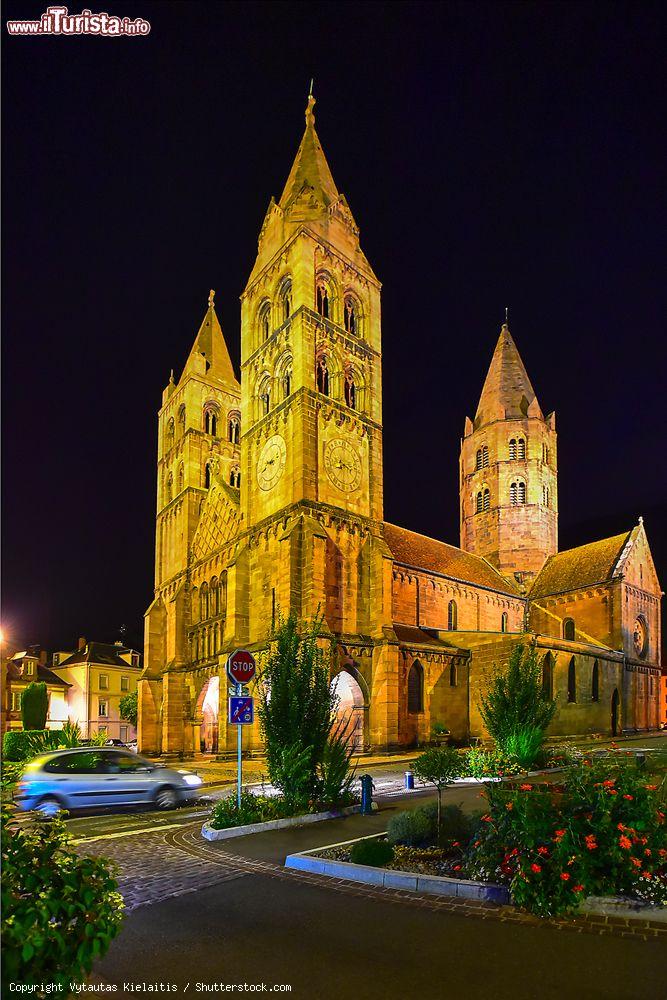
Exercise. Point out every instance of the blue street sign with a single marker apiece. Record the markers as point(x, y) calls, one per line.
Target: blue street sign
point(241, 711)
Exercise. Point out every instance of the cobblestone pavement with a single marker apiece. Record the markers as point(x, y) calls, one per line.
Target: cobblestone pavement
point(176, 860)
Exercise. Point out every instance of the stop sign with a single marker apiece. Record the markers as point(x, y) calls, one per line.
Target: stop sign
point(241, 666)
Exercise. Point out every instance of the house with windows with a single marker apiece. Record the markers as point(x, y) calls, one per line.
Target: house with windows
point(270, 499)
point(98, 675)
point(27, 667)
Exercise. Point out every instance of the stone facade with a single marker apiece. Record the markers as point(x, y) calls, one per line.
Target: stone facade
point(270, 499)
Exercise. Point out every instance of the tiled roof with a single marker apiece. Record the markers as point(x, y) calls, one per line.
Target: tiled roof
point(105, 653)
point(43, 675)
point(421, 552)
point(584, 566)
point(507, 386)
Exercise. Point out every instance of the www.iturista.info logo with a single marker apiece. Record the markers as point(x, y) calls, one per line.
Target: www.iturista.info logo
point(58, 21)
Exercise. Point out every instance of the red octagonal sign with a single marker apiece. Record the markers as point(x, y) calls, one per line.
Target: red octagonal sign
point(241, 666)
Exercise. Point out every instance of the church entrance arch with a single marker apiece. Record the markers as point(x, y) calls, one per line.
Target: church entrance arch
point(208, 707)
point(352, 706)
point(614, 713)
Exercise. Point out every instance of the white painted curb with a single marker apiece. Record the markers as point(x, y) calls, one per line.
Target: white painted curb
point(209, 833)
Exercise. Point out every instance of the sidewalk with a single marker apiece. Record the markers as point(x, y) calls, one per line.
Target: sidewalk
point(223, 772)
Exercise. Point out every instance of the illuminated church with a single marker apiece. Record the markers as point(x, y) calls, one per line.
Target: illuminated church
point(270, 499)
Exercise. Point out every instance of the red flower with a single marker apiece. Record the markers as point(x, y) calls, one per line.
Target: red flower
point(609, 783)
point(636, 862)
point(542, 850)
point(629, 797)
point(625, 842)
point(646, 874)
point(650, 788)
point(455, 843)
point(620, 827)
point(456, 868)
point(662, 852)
point(565, 876)
point(509, 806)
point(577, 888)
point(647, 852)
point(486, 819)
point(591, 842)
point(535, 868)
point(612, 791)
point(560, 834)
point(525, 788)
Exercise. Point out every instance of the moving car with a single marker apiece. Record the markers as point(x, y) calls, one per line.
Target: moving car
point(82, 777)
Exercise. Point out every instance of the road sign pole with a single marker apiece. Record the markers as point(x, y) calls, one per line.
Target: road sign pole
point(239, 730)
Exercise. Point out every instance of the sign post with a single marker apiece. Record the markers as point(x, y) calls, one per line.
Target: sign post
point(240, 670)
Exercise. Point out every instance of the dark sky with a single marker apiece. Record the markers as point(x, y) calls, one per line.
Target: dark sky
point(493, 155)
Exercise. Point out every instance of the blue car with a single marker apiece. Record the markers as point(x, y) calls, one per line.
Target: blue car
point(83, 777)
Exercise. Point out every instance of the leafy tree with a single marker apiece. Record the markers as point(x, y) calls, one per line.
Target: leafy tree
point(129, 707)
point(439, 767)
point(34, 706)
point(60, 910)
point(297, 707)
point(515, 709)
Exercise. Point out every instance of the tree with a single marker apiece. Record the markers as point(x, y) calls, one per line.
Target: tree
point(60, 910)
point(297, 707)
point(439, 767)
point(515, 708)
point(34, 706)
point(129, 707)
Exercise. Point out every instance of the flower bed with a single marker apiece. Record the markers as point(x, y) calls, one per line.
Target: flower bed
point(269, 812)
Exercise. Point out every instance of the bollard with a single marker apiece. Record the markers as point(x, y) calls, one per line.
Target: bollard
point(409, 781)
point(366, 795)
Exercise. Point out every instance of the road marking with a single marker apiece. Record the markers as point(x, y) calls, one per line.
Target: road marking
point(128, 833)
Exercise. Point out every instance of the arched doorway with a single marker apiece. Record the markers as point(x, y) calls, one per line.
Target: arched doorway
point(614, 713)
point(208, 707)
point(351, 708)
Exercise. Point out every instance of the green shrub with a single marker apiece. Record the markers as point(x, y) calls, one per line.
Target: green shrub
point(376, 853)
point(34, 705)
point(602, 833)
point(60, 910)
point(439, 768)
point(413, 827)
point(515, 709)
point(23, 745)
point(254, 809)
point(335, 772)
point(129, 707)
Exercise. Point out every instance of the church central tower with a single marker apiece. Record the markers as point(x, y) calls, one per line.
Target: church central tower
point(508, 471)
point(311, 399)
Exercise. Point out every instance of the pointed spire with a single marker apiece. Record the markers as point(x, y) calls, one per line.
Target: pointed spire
point(310, 169)
point(209, 354)
point(507, 389)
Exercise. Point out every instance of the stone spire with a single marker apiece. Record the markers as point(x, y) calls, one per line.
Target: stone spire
point(507, 391)
point(209, 355)
point(310, 175)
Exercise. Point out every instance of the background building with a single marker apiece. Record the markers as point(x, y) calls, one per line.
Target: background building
point(27, 667)
point(99, 674)
point(270, 498)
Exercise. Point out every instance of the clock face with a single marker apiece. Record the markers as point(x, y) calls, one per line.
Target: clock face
point(640, 637)
point(343, 465)
point(271, 462)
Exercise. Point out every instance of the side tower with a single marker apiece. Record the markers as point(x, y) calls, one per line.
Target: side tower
point(311, 484)
point(508, 471)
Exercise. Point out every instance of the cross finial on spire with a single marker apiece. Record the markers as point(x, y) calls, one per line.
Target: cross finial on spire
point(507, 315)
point(310, 114)
point(171, 377)
point(211, 297)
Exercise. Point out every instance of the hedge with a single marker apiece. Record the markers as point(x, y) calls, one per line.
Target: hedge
point(23, 744)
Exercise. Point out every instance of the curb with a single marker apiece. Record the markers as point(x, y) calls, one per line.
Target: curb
point(276, 824)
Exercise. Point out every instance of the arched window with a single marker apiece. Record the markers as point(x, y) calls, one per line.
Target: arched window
point(416, 688)
point(180, 477)
point(517, 493)
point(503, 622)
point(322, 374)
point(478, 460)
point(595, 682)
point(482, 457)
point(287, 381)
point(452, 616)
point(170, 433)
point(572, 681)
point(545, 496)
point(181, 420)
point(322, 298)
point(195, 647)
point(545, 454)
point(210, 420)
point(207, 475)
point(170, 487)
point(453, 678)
point(265, 397)
point(486, 498)
point(548, 677)
point(194, 605)
point(351, 317)
point(521, 450)
point(203, 602)
point(235, 477)
point(513, 450)
point(568, 629)
point(234, 428)
point(350, 390)
point(479, 500)
point(286, 299)
point(264, 320)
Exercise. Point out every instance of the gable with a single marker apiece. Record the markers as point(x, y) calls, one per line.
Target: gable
point(636, 563)
point(218, 522)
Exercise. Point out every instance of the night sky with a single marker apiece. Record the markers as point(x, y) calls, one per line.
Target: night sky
point(493, 155)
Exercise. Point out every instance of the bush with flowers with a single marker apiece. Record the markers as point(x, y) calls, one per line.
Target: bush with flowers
point(600, 833)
